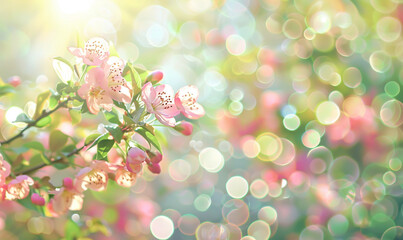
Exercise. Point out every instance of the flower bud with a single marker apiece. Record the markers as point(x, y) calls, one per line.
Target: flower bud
point(68, 183)
point(136, 155)
point(37, 199)
point(154, 157)
point(155, 77)
point(14, 81)
point(154, 168)
point(184, 127)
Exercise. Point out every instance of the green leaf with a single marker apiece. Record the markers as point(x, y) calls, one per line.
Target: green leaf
point(57, 140)
point(116, 132)
point(5, 89)
point(104, 147)
point(53, 100)
point(128, 120)
point(136, 80)
point(91, 138)
point(112, 50)
point(98, 139)
point(63, 69)
point(75, 116)
point(71, 230)
point(44, 122)
point(40, 103)
point(39, 159)
point(149, 137)
point(34, 145)
point(60, 166)
point(22, 117)
point(112, 117)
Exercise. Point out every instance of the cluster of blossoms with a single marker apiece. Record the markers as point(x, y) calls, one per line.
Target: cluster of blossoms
point(102, 87)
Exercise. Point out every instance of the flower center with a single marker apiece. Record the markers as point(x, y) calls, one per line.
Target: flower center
point(96, 92)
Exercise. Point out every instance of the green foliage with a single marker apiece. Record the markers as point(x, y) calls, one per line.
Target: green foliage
point(150, 137)
point(75, 116)
point(44, 122)
point(22, 117)
point(57, 140)
point(104, 146)
point(40, 103)
point(116, 132)
point(35, 145)
point(72, 230)
point(5, 89)
point(112, 117)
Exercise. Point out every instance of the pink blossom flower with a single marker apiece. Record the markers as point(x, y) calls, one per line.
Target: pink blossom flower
point(95, 52)
point(65, 199)
point(124, 177)
point(37, 199)
point(184, 127)
point(4, 170)
point(118, 88)
point(94, 177)
point(18, 188)
point(95, 91)
point(160, 102)
point(185, 100)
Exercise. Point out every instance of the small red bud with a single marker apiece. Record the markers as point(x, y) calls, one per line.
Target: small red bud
point(155, 77)
point(68, 183)
point(37, 199)
point(184, 127)
point(14, 81)
point(154, 168)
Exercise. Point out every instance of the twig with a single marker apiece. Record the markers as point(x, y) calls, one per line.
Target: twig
point(32, 124)
point(59, 159)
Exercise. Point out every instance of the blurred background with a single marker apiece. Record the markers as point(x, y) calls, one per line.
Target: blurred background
point(302, 137)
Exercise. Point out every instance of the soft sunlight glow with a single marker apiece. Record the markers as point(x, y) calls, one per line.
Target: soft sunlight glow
point(74, 6)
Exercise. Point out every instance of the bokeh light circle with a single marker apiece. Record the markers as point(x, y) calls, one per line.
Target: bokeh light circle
point(237, 187)
point(162, 227)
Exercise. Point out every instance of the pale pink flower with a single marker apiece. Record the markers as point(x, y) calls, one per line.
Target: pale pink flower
point(94, 177)
point(95, 52)
point(18, 188)
point(124, 177)
point(95, 91)
point(37, 199)
point(160, 102)
point(118, 88)
point(4, 170)
point(65, 199)
point(184, 127)
point(185, 100)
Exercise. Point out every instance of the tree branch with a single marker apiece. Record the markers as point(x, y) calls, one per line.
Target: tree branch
point(32, 124)
point(59, 159)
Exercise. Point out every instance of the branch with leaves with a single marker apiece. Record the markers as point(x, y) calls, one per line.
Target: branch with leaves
point(131, 100)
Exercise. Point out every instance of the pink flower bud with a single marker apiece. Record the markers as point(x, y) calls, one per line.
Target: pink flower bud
point(136, 155)
point(184, 127)
point(68, 183)
point(155, 157)
point(37, 199)
point(14, 81)
point(155, 77)
point(154, 168)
